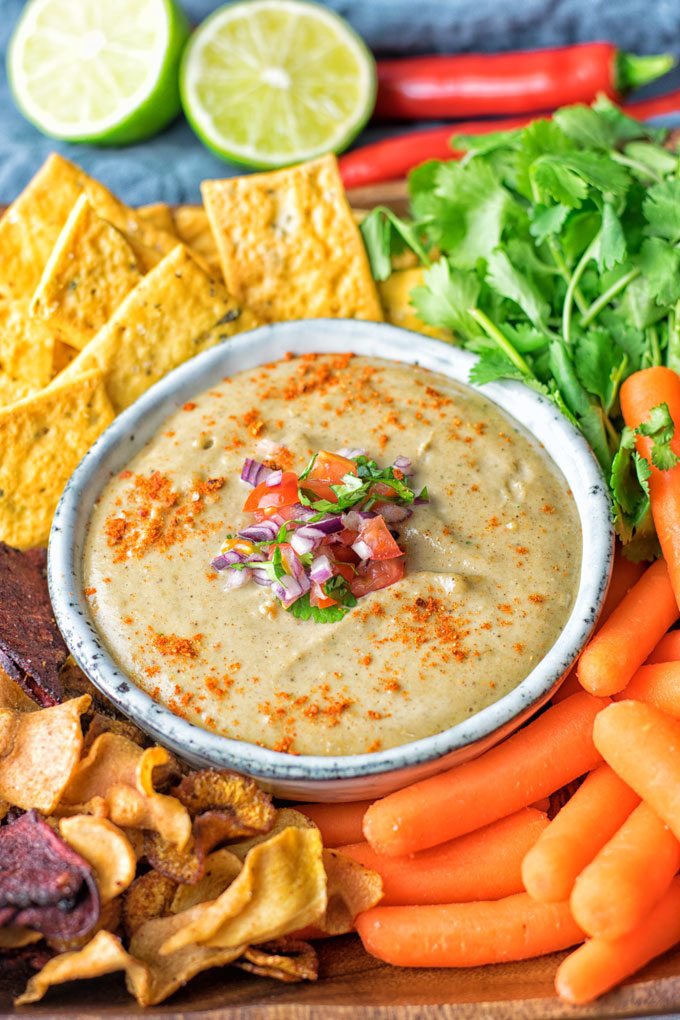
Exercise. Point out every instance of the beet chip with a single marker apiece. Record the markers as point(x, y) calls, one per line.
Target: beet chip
point(44, 884)
point(32, 651)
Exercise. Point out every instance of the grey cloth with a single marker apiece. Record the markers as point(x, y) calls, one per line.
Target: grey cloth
point(170, 167)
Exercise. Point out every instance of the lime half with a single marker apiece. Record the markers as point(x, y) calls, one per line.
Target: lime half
point(103, 71)
point(267, 83)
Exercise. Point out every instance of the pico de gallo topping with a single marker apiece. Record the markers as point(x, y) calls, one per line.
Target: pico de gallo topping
point(325, 538)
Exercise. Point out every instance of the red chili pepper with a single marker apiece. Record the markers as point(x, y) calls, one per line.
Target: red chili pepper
point(643, 109)
point(478, 85)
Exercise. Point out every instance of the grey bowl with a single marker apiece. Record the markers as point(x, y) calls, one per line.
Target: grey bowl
point(315, 777)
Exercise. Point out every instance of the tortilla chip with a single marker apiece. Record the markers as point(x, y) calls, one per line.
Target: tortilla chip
point(176, 311)
point(289, 246)
point(395, 297)
point(39, 752)
point(193, 229)
point(89, 272)
point(42, 440)
point(159, 215)
point(150, 896)
point(26, 352)
point(285, 960)
point(32, 650)
point(105, 848)
point(281, 888)
point(30, 227)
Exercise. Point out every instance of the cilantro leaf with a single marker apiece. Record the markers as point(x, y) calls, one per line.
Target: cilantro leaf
point(547, 220)
point(491, 366)
point(302, 610)
point(660, 429)
point(660, 264)
point(384, 234)
point(598, 365)
point(585, 125)
point(662, 209)
point(623, 127)
point(445, 297)
point(477, 200)
point(611, 247)
point(511, 283)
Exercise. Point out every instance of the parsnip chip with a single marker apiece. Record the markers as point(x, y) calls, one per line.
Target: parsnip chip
point(42, 440)
point(159, 215)
point(26, 352)
point(193, 229)
point(106, 848)
point(285, 960)
point(285, 818)
point(281, 888)
point(175, 312)
point(90, 270)
point(351, 888)
point(39, 752)
point(150, 896)
point(15, 936)
point(119, 774)
point(103, 955)
point(395, 298)
point(289, 246)
point(221, 868)
point(30, 227)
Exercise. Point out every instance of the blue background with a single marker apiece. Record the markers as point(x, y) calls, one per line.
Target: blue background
point(170, 166)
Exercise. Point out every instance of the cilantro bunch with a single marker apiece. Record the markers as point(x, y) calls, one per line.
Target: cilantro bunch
point(553, 252)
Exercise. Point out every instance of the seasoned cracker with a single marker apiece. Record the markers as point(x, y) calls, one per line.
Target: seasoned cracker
point(26, 352)
point(289, 246)
point(193, 229)
point(159, 215)
point(89, 272)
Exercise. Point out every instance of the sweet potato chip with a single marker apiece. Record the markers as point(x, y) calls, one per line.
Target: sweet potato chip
point(32, 651)
point(395, 298)
point(26, 352)
point(221, 868)
point(282, 887)
point(42, 439)
point(90, 270)
point(103, 955)
point(44, 883)
point(193, 229)
point(159, 215)
point(105, 848)
point(101, 723)
point(30, 227)
point(285, 960)
point(174, 313)
point(351, 888)
point(39, 753)
point(289, 246)
point(186, 866)
point(118, 775)
point(150, 896)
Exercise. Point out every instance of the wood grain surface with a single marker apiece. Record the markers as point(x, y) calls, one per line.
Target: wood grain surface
point(353, 985)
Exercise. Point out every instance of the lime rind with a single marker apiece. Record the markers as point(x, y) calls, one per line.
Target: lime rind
point(195, 75)
point(150, 107)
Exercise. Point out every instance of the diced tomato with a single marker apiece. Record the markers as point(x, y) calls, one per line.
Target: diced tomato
point(345, 570)
point(380, 489)
point(287, 513)
point(347, 537)
point(331, 467)
point(375, 533)
point(265, 496)
point(318, 598)
point(322, 490)
point(344, 553)
point(379, 574)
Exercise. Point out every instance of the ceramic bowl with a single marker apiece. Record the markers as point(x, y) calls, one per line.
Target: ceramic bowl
point(314, 777)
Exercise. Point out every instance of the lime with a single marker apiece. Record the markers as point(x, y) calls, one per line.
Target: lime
point(98, 71)
point(267, 83)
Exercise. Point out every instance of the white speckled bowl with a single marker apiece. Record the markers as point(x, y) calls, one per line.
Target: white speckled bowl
point(314, 777)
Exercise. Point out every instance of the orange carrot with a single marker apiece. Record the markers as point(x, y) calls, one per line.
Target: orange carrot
point(601, 963)
point(338, 823)
point(484, 865)
point(569, 686)
point(641, 392)
point(657, 685)
point(632, 631)
point(467, 934)
point(629, 875)
point(550, 752)
point(667, 650)
point(592, 816)
point(642, 745)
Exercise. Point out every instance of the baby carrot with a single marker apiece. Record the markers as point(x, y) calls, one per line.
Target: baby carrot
point(467, 934)
point(583, 826)
point(641, 392)
point(338, 823)
point(483, 865)
point(658, 685)
point(600, 964)
point(629, 875)
point(540, 758)
point(642, 745)
point(667, 650)
point(632, 631)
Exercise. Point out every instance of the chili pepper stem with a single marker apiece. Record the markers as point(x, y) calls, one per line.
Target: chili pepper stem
point(632, 71)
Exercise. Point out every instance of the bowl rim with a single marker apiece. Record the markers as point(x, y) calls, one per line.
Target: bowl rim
point(133, 428)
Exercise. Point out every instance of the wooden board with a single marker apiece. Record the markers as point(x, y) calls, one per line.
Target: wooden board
point(353, 985)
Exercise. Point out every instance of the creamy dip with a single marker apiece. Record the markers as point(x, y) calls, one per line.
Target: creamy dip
point(492, 562)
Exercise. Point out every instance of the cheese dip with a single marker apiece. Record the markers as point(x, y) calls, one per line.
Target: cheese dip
point(492, 562)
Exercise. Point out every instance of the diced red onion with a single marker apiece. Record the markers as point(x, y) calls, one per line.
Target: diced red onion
point(256, 557)
point(321, 570)
point(265, 531)
point(362, 549)
point(236, 579)
point(309, 536)
point(403, 464)
point(393, 514)
point(291, 562)
point(353, 519)
point(351, 454)
point(302, 513)
point(253, 472)
point(421, 501)
point(274, 478)
point(261, 578)
point(226, 559)
point(289, 589)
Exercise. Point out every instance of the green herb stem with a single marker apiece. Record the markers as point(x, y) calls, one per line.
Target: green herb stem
point(573, 284)
point(495, 334)
point(608, 295)
point(673, 352)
